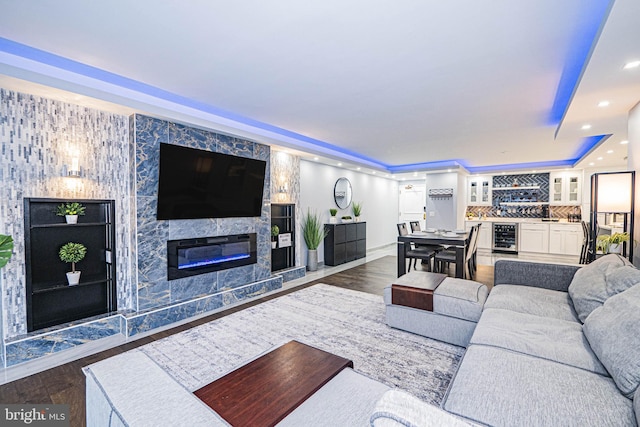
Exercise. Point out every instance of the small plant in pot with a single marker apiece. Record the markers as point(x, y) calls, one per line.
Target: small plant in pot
point(615, 242)
point(73, 252)
point(70, 211)
point(275, 230)
point(313, 232)
point(356, 208)
point(333, 219)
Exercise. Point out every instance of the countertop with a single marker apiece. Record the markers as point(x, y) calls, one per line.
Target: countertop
point(520, 220)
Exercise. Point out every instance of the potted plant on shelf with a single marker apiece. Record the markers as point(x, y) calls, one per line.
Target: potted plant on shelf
point(602, 244)
point(275, 230)
point(70, 211)
point(347, 218)
point(313, 232)
point(73, 252)
point(356, 208)
point(615, 242)
point(333, 219)
point(6, 246)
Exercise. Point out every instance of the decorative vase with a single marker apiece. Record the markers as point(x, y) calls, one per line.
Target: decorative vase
point(312, 260)
point(274, 244)
point(71, 219)
point(333, 220)
point(73, 277)
point(357, 219)
point(615, 248)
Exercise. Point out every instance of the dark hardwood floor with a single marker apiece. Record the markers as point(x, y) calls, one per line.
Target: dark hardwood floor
point(65, 384)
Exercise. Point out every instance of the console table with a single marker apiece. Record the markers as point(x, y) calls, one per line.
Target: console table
point(264, 391)
point(345, 242)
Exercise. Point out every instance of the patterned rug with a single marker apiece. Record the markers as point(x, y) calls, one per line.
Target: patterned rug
point(348, 323)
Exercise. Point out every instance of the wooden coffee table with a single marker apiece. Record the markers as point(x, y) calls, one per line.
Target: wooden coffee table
point(267, 389)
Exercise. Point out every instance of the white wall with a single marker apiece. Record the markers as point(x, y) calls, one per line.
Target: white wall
point(633, 134)
point(443, 212)
point(379, 198)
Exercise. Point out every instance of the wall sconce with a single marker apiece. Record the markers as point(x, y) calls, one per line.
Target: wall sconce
point(74, 170)
point(282, 189)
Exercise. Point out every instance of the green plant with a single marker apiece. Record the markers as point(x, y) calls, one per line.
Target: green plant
point(356, 208)
point(347, 217)
point(618, 238)
point(72, 252)
point(275, 230)
point(602, 243)
point(333, 211)
point(71, 208)
point(312, 230)
point(6, 246)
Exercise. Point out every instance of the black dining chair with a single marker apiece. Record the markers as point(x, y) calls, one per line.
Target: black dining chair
point(415, 253)
point(448, 257)
point(586, 243)
point(415, 226)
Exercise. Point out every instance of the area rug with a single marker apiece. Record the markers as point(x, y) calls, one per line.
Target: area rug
point(348, 323)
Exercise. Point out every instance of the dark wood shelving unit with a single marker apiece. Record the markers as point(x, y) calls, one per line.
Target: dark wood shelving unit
point(50, 300)
point(345, 242)
point(284, 216)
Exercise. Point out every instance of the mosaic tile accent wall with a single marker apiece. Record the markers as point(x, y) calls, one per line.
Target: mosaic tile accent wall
point(285, 176)
point(154, 290)
point(38, 138)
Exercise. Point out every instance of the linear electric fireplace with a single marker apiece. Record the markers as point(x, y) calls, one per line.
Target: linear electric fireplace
point(189, 257)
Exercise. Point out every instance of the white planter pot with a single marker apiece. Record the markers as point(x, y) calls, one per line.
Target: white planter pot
point(274, 244)
point(615, 248)
point(71, 219)
point(357, 219)
point(312, 260)
point(73, 278)
point(333, 220)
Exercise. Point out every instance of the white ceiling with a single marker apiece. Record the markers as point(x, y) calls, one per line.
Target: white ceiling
point(382, 83)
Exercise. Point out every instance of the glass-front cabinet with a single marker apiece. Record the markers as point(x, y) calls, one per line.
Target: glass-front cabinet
point(565, 188)
point(479, 191)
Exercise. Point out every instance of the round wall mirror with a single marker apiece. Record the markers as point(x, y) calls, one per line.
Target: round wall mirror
point(342, 193)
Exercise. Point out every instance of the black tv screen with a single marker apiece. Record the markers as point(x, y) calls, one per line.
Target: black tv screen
point(203, 184)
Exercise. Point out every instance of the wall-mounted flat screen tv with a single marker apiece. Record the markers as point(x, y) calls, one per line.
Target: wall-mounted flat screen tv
point(203, 184)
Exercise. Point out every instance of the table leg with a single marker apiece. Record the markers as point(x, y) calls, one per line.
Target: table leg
point(460, 256)
point(402, 263)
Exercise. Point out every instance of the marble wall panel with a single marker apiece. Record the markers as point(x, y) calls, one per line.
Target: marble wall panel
point(38, 139)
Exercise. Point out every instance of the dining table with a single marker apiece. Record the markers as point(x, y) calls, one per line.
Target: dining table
point(458, 239)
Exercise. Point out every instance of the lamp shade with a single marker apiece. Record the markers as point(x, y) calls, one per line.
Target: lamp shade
point(615, 192)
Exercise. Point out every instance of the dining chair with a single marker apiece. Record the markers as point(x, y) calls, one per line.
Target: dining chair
point(586, 243)
point(448, 257)
point(415, 226)
point(415, 253)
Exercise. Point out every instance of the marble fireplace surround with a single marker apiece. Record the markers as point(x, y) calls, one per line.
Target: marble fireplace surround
point(146, 299)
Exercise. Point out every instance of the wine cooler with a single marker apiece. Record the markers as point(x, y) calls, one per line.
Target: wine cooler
point(505, 238)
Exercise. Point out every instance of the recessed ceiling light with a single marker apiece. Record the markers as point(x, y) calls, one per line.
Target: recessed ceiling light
point(632, 64)
point(585, 127)
point(393, 176)
point(374, 172)
point(591, 164)
point(603, 104)
point(504, 173)
point(609, 151)
point(533, 171)
point(448, 170)
point(339, 164)
point(359, 168)
point(415, 174)
point(624, 142)
point(599, 158)
point(386, 176)
point(316, 159)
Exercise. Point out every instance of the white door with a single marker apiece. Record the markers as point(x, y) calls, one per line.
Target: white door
point(413, 204)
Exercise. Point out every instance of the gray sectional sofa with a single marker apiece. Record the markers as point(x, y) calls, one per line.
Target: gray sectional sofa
point(556, 345)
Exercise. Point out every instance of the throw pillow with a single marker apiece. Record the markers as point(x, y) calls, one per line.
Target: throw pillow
point(588, 289)
point(612, 332)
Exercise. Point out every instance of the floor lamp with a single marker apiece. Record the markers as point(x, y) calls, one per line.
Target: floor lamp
point(613, 192)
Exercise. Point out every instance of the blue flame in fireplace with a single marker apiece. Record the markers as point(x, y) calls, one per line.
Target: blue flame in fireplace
point(211, 261)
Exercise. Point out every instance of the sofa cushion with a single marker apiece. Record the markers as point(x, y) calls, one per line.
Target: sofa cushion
point(612, 331)
point(588, 289)
point(500, 387)
point(553, 339)
point(460, 298)
point(348, 399)
point(636, 404)
point(532, 300)
point(397, 408)
point(133, 388)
